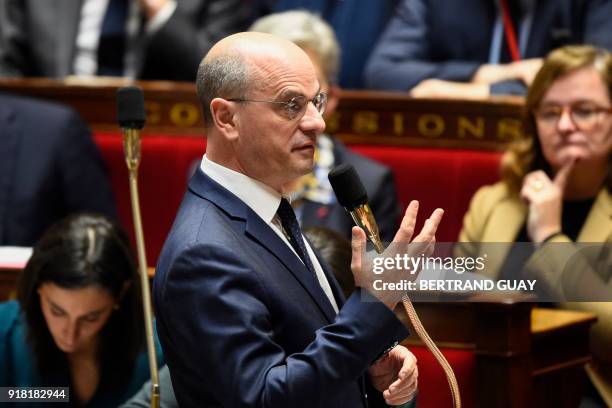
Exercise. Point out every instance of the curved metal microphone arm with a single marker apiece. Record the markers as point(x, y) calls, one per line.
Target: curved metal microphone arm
point(131, 148)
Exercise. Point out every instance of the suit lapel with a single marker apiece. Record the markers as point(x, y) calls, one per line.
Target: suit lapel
point(503, 226)
point(263, 234)
point(257, 230)
point(598, 225)
point(10, 141)
point(331, 278)
point(509, 217)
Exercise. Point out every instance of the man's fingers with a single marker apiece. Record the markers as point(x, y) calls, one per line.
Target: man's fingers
point(408, 372)
point(562, 175)
point(406, 230)
point(430, 247)
point(400, 400)
point(400, 396)
point(409, 366)
point(358, 242)
point(430, 227)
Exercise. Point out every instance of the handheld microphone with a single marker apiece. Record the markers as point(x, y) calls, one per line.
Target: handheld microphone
point(353, 197)
point(130, 107)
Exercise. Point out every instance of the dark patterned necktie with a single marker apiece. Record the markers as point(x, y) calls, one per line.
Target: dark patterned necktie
point(293, 232)
point(111, 48)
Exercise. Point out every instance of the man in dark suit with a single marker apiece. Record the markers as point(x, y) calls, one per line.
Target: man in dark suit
point(462, 49)
point(312, 196)
point(247, 314)
point(145, 39)
point(49, 168)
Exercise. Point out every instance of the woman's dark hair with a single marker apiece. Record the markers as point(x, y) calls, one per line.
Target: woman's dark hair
point(77, 252)
point(336, 251)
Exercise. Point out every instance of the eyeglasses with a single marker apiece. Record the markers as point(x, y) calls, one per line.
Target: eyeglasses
point(584, 115)
point(296, 106)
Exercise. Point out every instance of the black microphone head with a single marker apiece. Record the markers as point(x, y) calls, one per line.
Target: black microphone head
point(348, 187)
point(130, 107)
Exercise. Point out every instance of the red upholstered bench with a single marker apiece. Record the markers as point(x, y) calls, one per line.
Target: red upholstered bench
point(163, 174)
point(436, 177)
point(434, 391)
point(444, 178)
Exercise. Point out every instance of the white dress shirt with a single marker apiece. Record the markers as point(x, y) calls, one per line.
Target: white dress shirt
point(264, 201)
point(90, 26)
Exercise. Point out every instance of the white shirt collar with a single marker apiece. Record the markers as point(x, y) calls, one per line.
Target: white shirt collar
point(261, 198)
point(264, 200)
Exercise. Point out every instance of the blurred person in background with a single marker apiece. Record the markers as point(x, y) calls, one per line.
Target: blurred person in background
point(336, 251)
point(556, 190)
point(313, 198)
point(358, 24)
point(474, 48)
point(144, 39)
point(78, 320)
point(49, 168)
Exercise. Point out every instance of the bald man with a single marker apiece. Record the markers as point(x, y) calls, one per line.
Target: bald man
point(247, 314)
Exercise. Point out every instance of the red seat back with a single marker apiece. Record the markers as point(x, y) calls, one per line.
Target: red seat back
point(436, 177)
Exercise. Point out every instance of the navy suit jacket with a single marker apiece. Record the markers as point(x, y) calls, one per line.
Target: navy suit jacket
point(382, 197)
point(49, 168)
point(244, 324)
point(450, 39)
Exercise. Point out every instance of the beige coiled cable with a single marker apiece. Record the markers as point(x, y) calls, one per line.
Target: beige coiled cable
point(431, 346)
point(358, 216)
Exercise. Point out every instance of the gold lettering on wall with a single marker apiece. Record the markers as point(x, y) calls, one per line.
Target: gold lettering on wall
point(430, 125)
point(184, 114)
point(466, 127)
point(509, 129)
point(365, 122)
point(398, 124)
point(153, 112)
point(332, 123)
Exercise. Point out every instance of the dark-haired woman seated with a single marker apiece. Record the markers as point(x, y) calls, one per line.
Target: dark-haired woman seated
point(78, 321)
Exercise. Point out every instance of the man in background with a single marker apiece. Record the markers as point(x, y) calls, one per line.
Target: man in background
point(357, 24)
point(475, 48)
point(49, 168)
point(144, 39)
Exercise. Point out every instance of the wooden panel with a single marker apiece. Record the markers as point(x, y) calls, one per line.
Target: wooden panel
point(8, 283)
point(397, 119)
point(523, 354)
point(362, 117)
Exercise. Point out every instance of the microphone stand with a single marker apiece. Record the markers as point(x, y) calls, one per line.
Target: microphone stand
point(131, 148)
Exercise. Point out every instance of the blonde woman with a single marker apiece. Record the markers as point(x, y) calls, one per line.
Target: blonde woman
point(556, 187)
